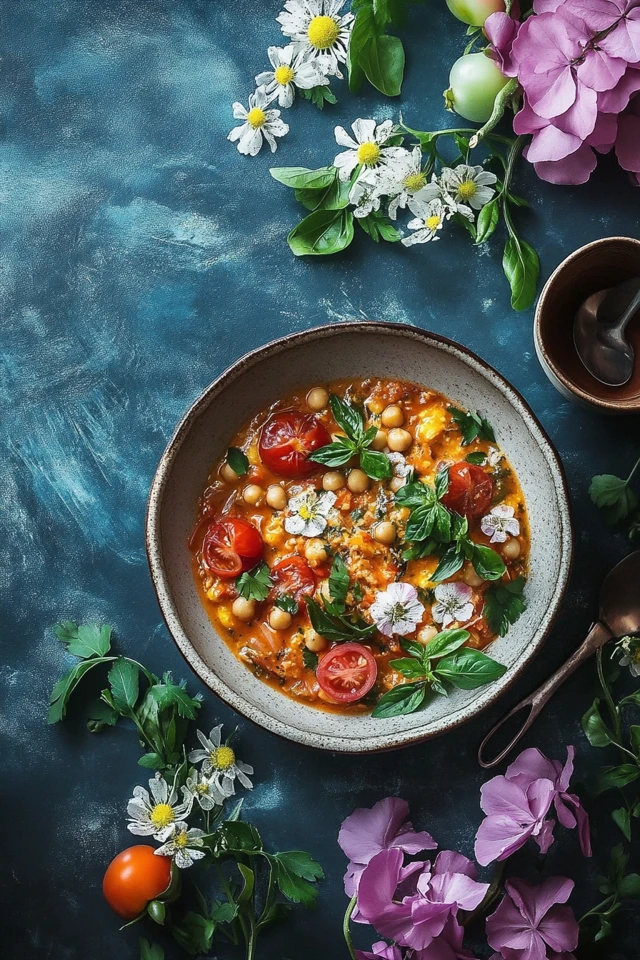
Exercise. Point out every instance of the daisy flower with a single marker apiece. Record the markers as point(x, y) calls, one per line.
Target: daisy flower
point(429, 219)
point(258, 123)
point(290, 70)
point(317, 28)
point(365, 196)
point(367, 149)
point(183, 845)
point(220, 764)
point(156, 814)
point(406, 179)
point(397, 609)
point(471, 186)
point(453, 603)
point(204, 791)
point(308, 512)
point(500, 523)
point(629, 648)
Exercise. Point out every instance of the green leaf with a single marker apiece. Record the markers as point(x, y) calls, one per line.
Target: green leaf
point(445, 643)
point(487, 221)
point(334, 454)
point(301, 178)
point(255, 584)
point(348, 417)
point(451, 562)
point(237, 836)
point(414, 495)
point(86, 640)
point(287, 603)
point(630, 886)
point(124, 679)
point(150, 951)
point(101, 715)
point(595, 729)
point(223, 912)
point(322, 233)
point(169, 695)
point(421, 522)
point(472, 426)
point(238, 461)
point(295, 872)
point(504, 603)
point(333, 197)
point(634, 736)
point(617, 777)
point(157, 911)
point(412, 647)
point(468, 669)
point(401, 699)
point(151, 761)
point(194, 933)
point(408, 667)
point(309, 659)
point(522, 269)
point(477, 458)
point(613, 496)
point(337, 628)
point(622, 819)
point(63, 689)
point(379, 57)
point(338, 582)
point(441, 484)
point(319, 95)
point(248, 883)
point(487, 563)
point(376, 465)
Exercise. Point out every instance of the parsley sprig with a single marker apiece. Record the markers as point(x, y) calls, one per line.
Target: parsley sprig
point(356, 442)
point(503, 604)
point(255, 584)
point(617, 500)
point(472, 426)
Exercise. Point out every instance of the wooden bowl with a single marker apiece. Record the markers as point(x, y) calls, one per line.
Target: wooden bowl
point(598, 265)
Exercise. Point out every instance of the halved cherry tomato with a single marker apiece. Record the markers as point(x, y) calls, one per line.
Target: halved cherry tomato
point(470, 490)
point(347, 672)
point(293, 576)
point(231, 546)
point(286, 441)
point(135, 877)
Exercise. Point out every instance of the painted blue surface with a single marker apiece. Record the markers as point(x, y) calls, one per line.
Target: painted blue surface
point(141, 254)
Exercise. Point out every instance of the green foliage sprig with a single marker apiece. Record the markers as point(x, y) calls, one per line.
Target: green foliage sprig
point(355, 443)
point(617, 500)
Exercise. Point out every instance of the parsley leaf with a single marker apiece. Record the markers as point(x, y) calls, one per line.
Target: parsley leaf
point(150, 951)
point(255, 584)
point(124, 680)
point(472, 426)
point(319, 95)
point(86, 640)
point(238, 461)
point(287, 603)
point(504, 603)
point(614, 496)
point(309, 659)
point(295, 872)
point(64, 688)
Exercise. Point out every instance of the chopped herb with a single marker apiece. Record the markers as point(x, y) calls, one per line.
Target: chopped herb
point(357, 514)
point(357, 592)
point(309, 659)
point(338, 584)
point(287, 603)
point(472, 426)
point(477, 458)
point(335, 627)
point(238, 461)
point(255, 584)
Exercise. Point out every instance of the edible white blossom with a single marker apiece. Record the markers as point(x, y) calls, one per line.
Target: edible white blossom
point(429, 219)
point(308, 512)
point(291, 69)
point(364, 196)
point(219, 762)
point(629, 648)
point(406, 179)
point(453, 603)
point(397, 609)
point(470, 186)
point(500, 523)
point(203, 791)
point(494, 456)
point(155, 815)
point(183, 845)
point(399, 463)
point(367, 149)
point(317, 28)
point(259, 123)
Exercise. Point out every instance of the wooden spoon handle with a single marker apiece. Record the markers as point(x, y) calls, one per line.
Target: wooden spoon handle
point(533, 704)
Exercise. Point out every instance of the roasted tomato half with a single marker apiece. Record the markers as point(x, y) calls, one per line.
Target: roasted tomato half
point(286, 441)
point(470, 490)
point(347, 672)
point(231, 546)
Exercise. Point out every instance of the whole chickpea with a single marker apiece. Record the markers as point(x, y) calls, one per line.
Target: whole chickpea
point(427, 633)
point(376, 405)
point(399, 439)
point(512, 549)
point(357, 481)
point(228, 473)
point(252, 494)
point(317, 398)
point(276, 496)
point(470, 577)
point(332, 480)
point(315, 551)
point(384, 532)
point(279, 619)
point(392, 416)
point(396, 484)
point(243, 609)
point(379, 442)
point(314, 642)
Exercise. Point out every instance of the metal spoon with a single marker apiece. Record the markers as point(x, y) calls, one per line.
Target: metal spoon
point(598, 333)
point(619, 615)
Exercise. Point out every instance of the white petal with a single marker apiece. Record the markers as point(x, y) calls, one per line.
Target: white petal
point(346, 163)
point(142, 829)
point(274, 54)
point(294, 524)
point(143, 795)
point(137, 809)
point(384, 131)
point(239, 112)
point(270, 140)
point(196, 756)
point(263, 79)
point(215, 737)
point(164, 833)
point(364, 130)
point(276, 127)
point(250, 142)
point(159, 789)
point(286, 95)
point(237, 132)
point(343, 139)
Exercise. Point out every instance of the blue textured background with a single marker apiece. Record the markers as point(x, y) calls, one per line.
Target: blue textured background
point(141, 254)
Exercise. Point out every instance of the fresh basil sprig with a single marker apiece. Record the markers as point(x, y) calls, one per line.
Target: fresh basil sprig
point(503, 604)
point(429, 519)
point(486, 562)
point(472, 426)
point(255, 584)
point(445, 660)
point(372, 52)
point(335, 626)
point(356, 442)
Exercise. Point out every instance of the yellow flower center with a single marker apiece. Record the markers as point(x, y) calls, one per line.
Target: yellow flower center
point(368, 154)
point(415, 181)
point(203, 787)
point(467, 189)
point(256, 117)
point(323, 32)
point(306, 512)
point(162, 815)
point(433, 222)
point(283, 75)
point(222, 758)
point(181, 840)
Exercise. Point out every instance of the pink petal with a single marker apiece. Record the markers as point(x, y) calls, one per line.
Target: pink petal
point(604, 133)
point(534, 900)
point(567, 771)
point(560, 929)
point(449, 861)
point(544, 838)
point(531, 765)
point(600, 71)
point(580, 118)
point(427, 922)
point(624, 41)
point(500, 796)
point(498, 837)
point(551, 93)
point(551, 144)
point(501, 31)
point(458, 890)
point(375, 895)
point(540, 797)
point(368, 831)
point(574, 169)
point(527, 120)
point(614, 101)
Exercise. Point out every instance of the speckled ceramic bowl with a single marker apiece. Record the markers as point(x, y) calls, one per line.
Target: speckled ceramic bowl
point(317, 356)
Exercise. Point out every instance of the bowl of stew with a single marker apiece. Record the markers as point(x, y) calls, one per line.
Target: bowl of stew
point(359, 536)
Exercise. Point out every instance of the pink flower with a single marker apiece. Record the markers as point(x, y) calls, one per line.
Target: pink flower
point(532, 917)
point(366, 832)
point(380, 951)
point(501, 31)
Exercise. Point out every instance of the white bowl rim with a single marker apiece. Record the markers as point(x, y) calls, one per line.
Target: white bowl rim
point(382, 741)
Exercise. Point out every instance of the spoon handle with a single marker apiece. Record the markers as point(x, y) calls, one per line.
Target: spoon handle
point(533, 704)
point(629, 312)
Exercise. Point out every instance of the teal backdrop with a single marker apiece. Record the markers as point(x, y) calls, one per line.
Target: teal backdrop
point(141, 254)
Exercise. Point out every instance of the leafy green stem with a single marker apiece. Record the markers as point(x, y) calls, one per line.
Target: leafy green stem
point(613, 710)
point(346, 926)
point(599, 908)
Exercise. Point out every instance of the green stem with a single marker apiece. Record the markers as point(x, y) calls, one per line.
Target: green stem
point(499, 106)
point(346, 928)
point(253, 940)
point(637, 464)
point(599, 908)
point(451, 131)
point(613, 710)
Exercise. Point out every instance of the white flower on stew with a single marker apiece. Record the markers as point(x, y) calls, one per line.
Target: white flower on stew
point(366, 148)
point(183, 845)
point(219, 762)
point(453, 603)
point(308, 512)
point(400, 466)
point(317, 28)
point(494, 456)
point(500, 523)
point(397, 609)
point(291, 70)
point(154, 813)
point(259, 123)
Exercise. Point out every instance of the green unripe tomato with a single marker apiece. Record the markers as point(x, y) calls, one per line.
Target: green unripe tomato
point(475, 12)
point(474, 83)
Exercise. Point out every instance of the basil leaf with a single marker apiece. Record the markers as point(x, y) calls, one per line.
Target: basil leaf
point(408, 667)
point(413, 647)
point(369, 436)
point(476, 458)
point(450, 563)
point(338, 582)
point(442, 523)
point(238, 461)
point(322, 233)
point(405, 698)
point(459, 526)
point(287, 603)
point(334, 454)
point(595, 729)
point(309, 659)
point(302, 178)
point(419, 550)
point(487, 221)
point(348, 417)
point(379, 56)
point(255, 584)
point(334, 627)
point(333, 197)
point(487, 563)
point(414, 495)
point(504, 603)
point(376, 465)
point(472, 426)
point(124, 679)
point(468, 669)
point(445, 642)
point(421, 522)
point(522, 269)
point(442, 483)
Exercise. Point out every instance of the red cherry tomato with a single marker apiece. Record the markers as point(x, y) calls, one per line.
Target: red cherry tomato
point(231, 546)
point(470, 490)
point(135, 877)
point(286, 441)
point(293, 576)
point(347, 672)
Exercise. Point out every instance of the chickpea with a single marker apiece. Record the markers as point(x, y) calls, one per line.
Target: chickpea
point(471, 578)
point(379, 442)
point(252, 494)
point(384, 532)
point(279, 619)
point(243, 609)
point(427, 633)
point(276, 496)
point(376, 405)
point(229, 474)
point(512, 549)
point(317, 399)
point(396, 484)
point(315, 642)
point(332, 480)
point(315, 551)
point(399, 439)
point(392, 416)
point(357, 481)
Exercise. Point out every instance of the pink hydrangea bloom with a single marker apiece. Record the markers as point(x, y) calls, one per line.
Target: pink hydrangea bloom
point(532, 918)
point(380, 951)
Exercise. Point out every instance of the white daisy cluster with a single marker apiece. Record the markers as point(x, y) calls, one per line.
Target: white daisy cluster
point(159, 812)
point(319, 42)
